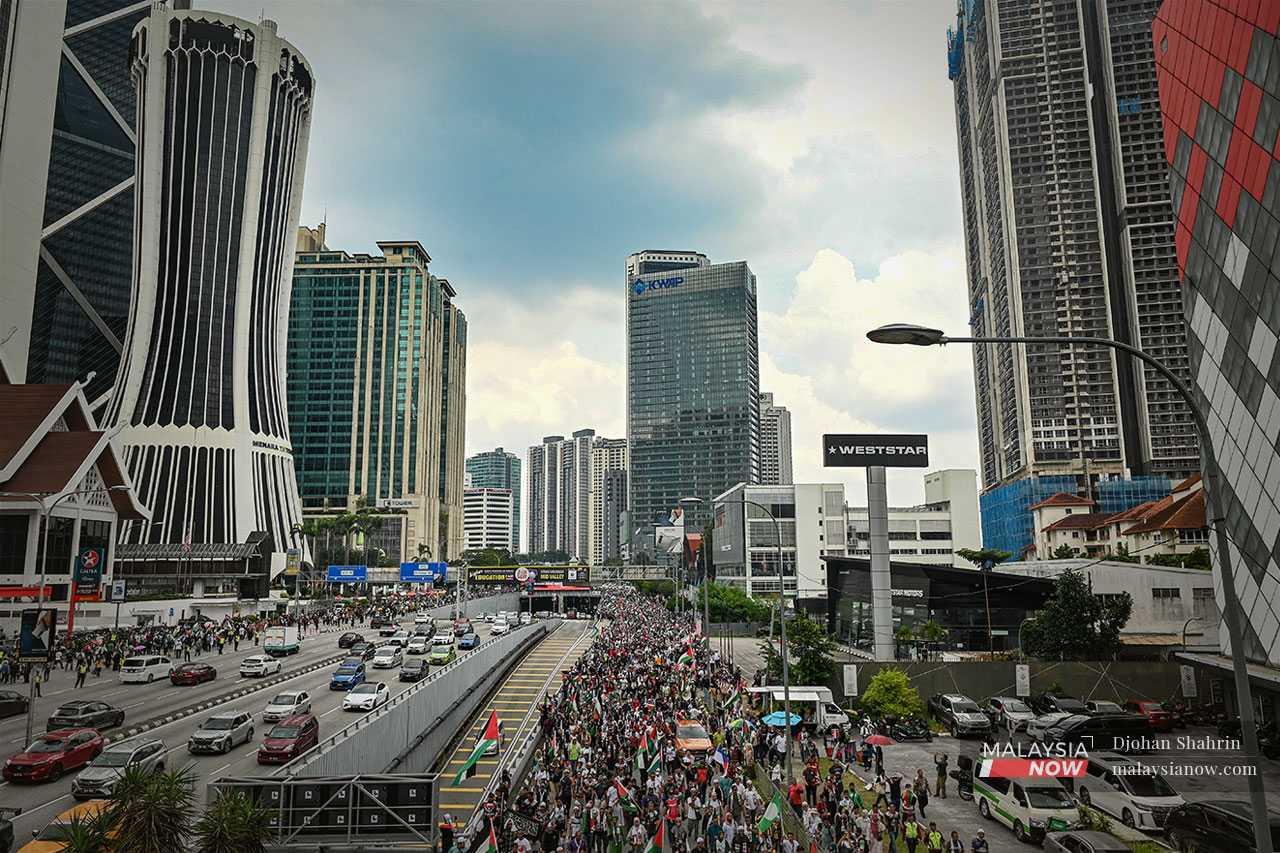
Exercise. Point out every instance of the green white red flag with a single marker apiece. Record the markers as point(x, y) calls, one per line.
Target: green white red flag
point(488, 740)
point(656, 843)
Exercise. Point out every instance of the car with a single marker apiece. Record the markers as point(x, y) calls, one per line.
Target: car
point(1102, 706)
point(499, 628)
point(400, 640)
point(257, 665)
point(389, 629)
point(486, 618)
point(1220, 826)
point(387, 657)
point(12, 703)
point(222, 732)
point(290, 703)
point(364, 651)
point(1160, 719)
point(366, 697)
point(145, 669)
point(526, 618)
point(349, 639)
point(99, 777)
point(443, 655)
point(461, 626)
point(1048, 703)
point(442, 638)
point(6, 827)
point(192, 673)
point(469, 641)
point(1031, 807)
point(1008, 712)
point(85, 715)
point(692, 737)
point(55, 836)
point(1140, 797)
point(348, 674)
point(413, 670)
point(1037, 728)
point(289, 738)
point(959, 713)
point(1102, 732)
point(1084, 841)
point(376, 622)
point(53, 753)
point(418, 645)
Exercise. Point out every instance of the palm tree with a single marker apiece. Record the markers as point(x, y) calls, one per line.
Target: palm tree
point(153, 812)
point(904, 634)
point(932, 632)
point(87, 832)
point(232, 824)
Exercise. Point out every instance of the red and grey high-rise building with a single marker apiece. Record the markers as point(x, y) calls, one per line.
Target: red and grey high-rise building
point(1218, 65)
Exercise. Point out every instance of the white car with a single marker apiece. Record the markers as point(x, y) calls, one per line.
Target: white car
point(366, 696)
point(487, 617)
point(418, 645)
point(259, 665)
point(145, 669)
point(499, 627)
point(387, 657)
point(1041, 724)
point(285, 705)
point(1140, 797)
point(525, 618)
point(442, 638)
point(401, 640)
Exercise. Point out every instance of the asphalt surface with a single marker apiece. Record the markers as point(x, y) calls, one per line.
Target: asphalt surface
point(42, 802)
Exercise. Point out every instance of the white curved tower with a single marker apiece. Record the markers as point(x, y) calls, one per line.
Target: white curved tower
point(224, 113)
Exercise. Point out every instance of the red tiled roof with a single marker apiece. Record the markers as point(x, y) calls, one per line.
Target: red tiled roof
point(1082, 521)
point(1136, 513)
point(52, 466)
point(1187, 483)
point(1186, 513)
point(1063, 499)
point(25, 408)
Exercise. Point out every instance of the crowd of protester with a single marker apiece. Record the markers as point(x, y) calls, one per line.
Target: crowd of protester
point(608, 776)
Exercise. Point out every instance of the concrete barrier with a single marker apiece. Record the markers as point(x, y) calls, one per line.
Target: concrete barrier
point(376, 739)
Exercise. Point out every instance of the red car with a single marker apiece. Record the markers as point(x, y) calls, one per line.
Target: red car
point(1159, 719)
point(192, 673)
point(52, 754)
point(289, 738)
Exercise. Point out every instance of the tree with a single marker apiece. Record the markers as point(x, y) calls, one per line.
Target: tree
point(153, 812)
point(983, 557)
point(931, 633)
point(809, 650)
point(890, 692)
point(487, 557)
point(1122, 555)
point(232, 824)
point(1197, 559)
point(1075, 624)
point(903, 635)
point(87, 832)
point(1064, 552)
point(728, 603)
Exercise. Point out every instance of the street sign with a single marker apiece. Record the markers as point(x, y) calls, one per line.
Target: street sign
point(1189, 690)
point(119, 591)
point(851, 679)
point(841, 450)
point(1022, 678)
point(347, 574)
point(423, 572)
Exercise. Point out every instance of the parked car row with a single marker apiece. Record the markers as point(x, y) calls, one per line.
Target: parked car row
point(1046, 712)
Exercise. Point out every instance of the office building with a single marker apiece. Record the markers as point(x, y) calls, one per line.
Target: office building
point(810, 519)
point(487, 517)
point(453, 414)
point(1219, 73)
point(558, 500)
point(200, 396)
point(693, 384)
point(929, 532)
point(608, 498)
point(67, 148)
point(1068, 231)
point(367, 381)
point(775, 443)
point(497, 469)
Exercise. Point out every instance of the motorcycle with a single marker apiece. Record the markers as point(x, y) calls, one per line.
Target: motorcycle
point(1178, 712)
point(911, 729)
point(1268, 736)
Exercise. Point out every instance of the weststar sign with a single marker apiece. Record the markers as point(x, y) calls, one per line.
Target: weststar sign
point(866, 451)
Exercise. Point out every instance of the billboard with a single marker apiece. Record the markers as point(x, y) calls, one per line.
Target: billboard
point(875, 451)
point(528, 574)
point(88, 574)
point(292, 562)
point(424, 572)
point(347, 574)
point(35, 634)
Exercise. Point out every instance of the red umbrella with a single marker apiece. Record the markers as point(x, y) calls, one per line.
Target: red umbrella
point(880, 740)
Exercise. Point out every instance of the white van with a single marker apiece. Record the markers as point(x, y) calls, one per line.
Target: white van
point(1030, 807)
point(1120, 786)
point(145, 669)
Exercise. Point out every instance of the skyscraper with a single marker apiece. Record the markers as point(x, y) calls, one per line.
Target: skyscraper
point(608, 497)
point(487, 518)
point(453, 414)
point(693, 383)
point(200, 395)
point(1068, 230)
point(497, 469)
point(559, 494)
point(365, 380)
point(1219, 74)
point(775, 443)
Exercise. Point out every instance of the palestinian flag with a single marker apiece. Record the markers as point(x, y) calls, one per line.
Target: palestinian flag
point(488, 740)
point(732, 699)
point(656, 843)
point(656, 764)
point(686, 658)
point(772, 812)
point(642, 751)
point(624, 797)
point(491, 845)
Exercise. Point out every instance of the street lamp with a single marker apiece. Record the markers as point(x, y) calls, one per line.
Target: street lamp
point(906, 333)
point(706, 592)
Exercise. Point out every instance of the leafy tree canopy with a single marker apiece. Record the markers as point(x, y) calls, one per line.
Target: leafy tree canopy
point(890, 692)
point(1075, 624)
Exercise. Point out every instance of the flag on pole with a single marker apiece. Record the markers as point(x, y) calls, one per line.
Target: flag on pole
point(656, 764)
point(624, 797)
point(772, 812)
point(491, 846)
point(655, 843)
point(488, 740)
point(686, 658)
point(720, 758)
point(732, 699)
point(737, 724)
point(642, 752)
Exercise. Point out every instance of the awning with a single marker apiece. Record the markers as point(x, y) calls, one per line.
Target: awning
point(1259, 671)
point(1150, 640)
point(796, 696)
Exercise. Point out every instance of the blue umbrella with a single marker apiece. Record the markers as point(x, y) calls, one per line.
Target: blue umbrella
point(779, 718)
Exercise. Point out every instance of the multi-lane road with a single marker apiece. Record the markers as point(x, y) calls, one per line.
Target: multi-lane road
point(40, 803)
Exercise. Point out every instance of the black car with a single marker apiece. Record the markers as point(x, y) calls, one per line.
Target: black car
point(12, 704)
point(1050, 703)
point(84, 715)
point(349, 639)
point(413, 669)
point(377, 621)
point(1123, 733)
point(363, 651)
point(1223, 826)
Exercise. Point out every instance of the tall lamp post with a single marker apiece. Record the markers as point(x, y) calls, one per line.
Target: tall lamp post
point(706, 592)
point(905, 333)
point(782, 608)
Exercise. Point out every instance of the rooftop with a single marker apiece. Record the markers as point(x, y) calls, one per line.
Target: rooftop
point(1062, 499)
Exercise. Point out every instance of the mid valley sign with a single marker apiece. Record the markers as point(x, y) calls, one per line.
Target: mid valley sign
point(867, 451)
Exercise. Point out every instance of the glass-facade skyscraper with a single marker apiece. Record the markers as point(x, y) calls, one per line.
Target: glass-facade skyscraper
point(498, 469)
point(693, 383)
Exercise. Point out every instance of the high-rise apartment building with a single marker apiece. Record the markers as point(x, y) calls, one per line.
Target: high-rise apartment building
point(775, 442)
point(693, 383)
point(453, 412)
point(1068, 231)
point(1219, 73)
point(367, 380)
point(68, 140)
point(497, 469)
point(487, 515)
point(200, 395)
point(558, 500)
point(608, 499)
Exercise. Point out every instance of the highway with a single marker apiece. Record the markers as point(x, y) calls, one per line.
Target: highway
point(40, 803)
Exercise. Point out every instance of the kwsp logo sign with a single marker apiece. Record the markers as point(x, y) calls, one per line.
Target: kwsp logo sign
point(641, 287)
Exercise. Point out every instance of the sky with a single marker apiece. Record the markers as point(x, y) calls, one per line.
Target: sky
point(530, 146)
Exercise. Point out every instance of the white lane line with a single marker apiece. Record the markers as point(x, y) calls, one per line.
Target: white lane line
point(220, 769)
point(33, 809)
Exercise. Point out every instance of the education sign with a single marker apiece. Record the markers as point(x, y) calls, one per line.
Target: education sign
point(528, 574)
point(842, 450)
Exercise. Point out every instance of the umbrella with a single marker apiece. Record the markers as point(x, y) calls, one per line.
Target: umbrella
point(779, 718)
point(880, 740)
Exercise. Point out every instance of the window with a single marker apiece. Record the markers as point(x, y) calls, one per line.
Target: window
point(13, 543)
point(1159, 593)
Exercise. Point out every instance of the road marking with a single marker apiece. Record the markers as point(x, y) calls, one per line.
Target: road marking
point(220, 769)
point(34, 809)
